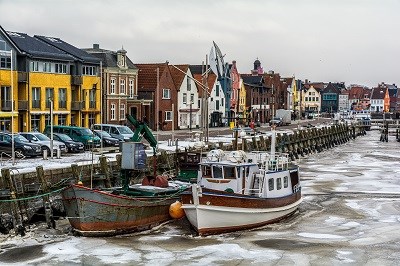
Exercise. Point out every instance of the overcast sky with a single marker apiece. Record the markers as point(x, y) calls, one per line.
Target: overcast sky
point(354, 41)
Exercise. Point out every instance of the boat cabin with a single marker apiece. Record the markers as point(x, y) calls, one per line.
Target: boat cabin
point(253, 174)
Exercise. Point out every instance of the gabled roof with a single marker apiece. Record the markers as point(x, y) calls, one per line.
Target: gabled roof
point(37, 48)
point(70, 49)
point(147, 74)
point(378, 93)
point(108, 57)
point(356, 93)
point(211, 79)
point(178, 76)
point(249, 79)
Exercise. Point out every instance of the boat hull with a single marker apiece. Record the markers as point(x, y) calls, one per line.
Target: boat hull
point(99, 213)
point(220, 212)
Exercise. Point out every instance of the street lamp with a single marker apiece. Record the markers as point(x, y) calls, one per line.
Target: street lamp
point(51, 127)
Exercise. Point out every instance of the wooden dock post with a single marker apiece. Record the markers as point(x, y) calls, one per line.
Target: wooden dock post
point(46, 203)
point(104, 171)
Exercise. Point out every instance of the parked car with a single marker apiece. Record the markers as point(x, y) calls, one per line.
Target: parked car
point(120, 132)
point(108, 141)
point(72, 145)
point(276, 121)
point(81, 134)
point(44, 141)
point(22, 147)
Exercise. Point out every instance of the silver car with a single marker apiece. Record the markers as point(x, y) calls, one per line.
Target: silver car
point(44, 141)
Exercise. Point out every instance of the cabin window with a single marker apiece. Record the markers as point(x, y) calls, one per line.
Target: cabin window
point(285, 182)
point(217, 171)
point(278, 183)
point(271, 184)
point(229, 173)
point(206, 170)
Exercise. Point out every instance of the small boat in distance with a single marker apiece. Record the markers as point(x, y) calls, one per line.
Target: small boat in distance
point(239, 190)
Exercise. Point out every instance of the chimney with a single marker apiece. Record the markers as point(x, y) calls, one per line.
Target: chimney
point(96, 46)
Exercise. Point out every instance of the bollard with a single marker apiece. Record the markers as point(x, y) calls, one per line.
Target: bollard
point(58, 153)
point(45, 154)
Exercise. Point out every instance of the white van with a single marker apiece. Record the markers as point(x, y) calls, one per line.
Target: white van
point(120, 132)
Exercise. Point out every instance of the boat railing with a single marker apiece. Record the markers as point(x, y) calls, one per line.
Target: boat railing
point(277, 162)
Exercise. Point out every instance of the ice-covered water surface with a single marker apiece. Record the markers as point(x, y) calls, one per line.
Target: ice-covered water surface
point(350, 215)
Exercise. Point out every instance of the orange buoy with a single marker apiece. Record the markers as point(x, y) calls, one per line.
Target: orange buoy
point(176, 211)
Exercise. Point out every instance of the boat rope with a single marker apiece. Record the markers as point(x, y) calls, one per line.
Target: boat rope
point(33, 197)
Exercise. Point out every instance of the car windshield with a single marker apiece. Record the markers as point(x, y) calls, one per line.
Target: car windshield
point(20, 138)
point(41, 136)
point(125, 130)
point(103, 133)
point(64, 137)
point(85, 131)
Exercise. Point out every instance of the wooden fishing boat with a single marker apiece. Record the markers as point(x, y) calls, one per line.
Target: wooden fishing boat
point(241, 190)
point(129, 208)
point(93, 212)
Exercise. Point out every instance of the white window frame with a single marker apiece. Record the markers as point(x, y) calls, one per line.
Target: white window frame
point(168, 115)
point(166, 94)
point(131, 88)
point(122, 88)
point(112, 111)
point(184, 98)
point(122, 111)
point(112, 86)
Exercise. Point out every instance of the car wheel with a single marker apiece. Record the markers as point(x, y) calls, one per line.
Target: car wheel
point(19, 153)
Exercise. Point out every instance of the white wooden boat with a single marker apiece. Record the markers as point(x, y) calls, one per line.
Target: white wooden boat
point(241, 190)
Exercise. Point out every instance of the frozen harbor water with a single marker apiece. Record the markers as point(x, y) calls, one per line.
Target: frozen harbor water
point(350, 215)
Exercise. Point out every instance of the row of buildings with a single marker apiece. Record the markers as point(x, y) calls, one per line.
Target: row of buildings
point(44, 76)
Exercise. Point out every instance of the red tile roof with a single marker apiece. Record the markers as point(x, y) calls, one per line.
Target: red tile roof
point(178, 76)
point(147, 75)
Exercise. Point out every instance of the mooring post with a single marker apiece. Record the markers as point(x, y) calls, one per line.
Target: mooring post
point(46, 203)
point(17, 218)
point(104, 170)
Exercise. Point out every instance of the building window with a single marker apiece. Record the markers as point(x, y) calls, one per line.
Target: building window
point(217, 91)
point(122, 86)
point(60, 68)
point(35, 122)
point(131, 88)
point(168, 115)
point(62, 98)
point(166, 94)
point(62, 120)
point(112, 111)
point(184, 98)
point(46, 67)
point(92, 119)
point(188, 84)
point(92, 98)
point(5, 98)
point(192, 98)
point(34, 66)
point(49, 96)
point(5, 62)
point(222, 102)
point(122, 112)
point(35, 97)
point(89, 70)
point(112, 86)
point(216, 104)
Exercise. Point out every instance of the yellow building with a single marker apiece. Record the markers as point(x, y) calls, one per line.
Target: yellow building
point(242, 100)
point(50, 76)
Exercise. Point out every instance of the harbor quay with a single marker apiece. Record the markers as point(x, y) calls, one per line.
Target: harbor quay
point(34, 187)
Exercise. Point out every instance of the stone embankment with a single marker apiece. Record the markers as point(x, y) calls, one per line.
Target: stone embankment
point(25, 197)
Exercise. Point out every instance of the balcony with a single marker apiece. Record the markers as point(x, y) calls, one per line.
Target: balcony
point(22, 77)
point(76, 106)
point(76, 80)
point(6, 106)
point(23, 105)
